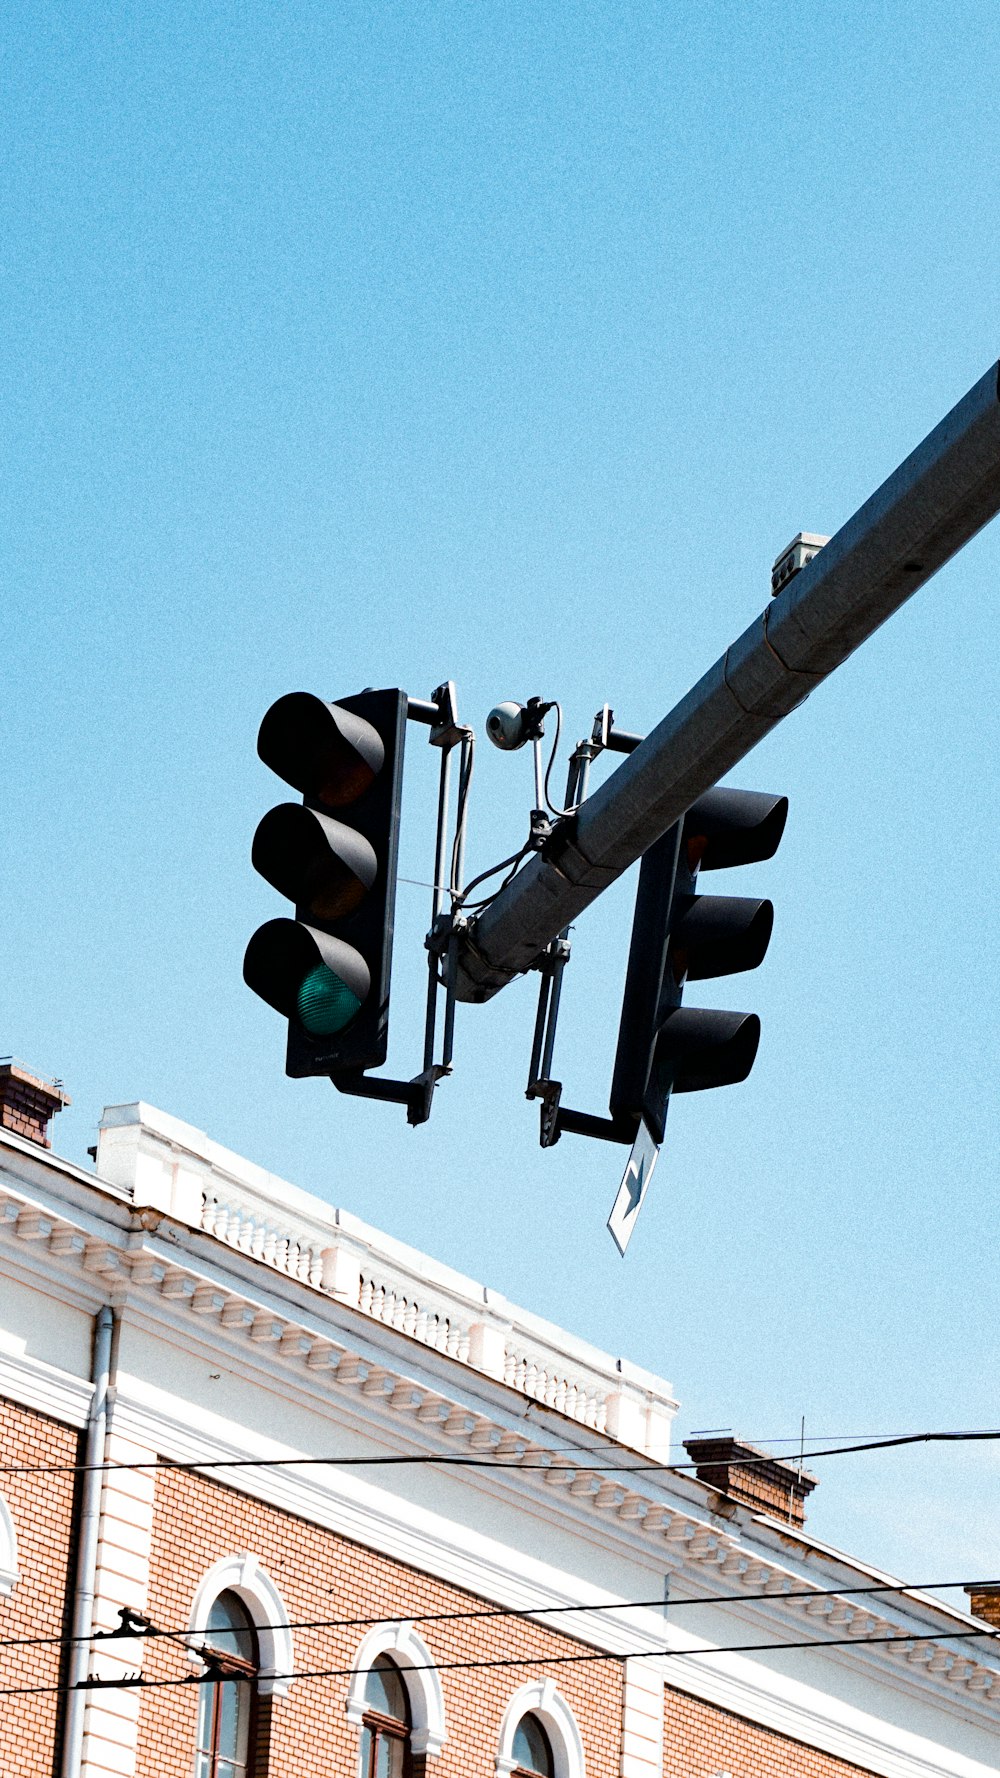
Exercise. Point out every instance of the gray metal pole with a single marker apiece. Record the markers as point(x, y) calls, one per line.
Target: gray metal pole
point(946, 490)
point(86, 1561)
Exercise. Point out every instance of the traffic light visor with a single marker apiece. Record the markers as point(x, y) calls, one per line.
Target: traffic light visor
point(732, 827)
point(720, 935)
point(328, 753)
point(318, 981)
point(697, 1048)
point(321, 865)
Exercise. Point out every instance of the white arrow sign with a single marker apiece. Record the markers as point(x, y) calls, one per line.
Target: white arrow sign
point(633, 1188)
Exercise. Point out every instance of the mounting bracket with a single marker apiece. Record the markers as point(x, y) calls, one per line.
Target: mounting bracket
point(440, 714)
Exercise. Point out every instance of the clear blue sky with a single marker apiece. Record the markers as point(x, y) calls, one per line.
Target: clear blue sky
point(351, 345)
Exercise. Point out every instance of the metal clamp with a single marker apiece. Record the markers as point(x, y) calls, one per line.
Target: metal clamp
point(440, 714)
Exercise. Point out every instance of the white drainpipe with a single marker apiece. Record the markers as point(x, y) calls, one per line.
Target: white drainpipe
point(86, 1562)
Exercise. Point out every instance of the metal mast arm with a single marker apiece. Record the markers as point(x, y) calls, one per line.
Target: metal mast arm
point(944, 492)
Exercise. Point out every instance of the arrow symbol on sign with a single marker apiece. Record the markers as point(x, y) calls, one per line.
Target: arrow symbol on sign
point(633, 1188)
point(636, 1184)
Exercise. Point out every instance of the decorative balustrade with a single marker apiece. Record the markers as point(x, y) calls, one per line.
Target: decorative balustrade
point(240, 1222)
point(383, 1302)
point(540, 1376)
point(168, 1166)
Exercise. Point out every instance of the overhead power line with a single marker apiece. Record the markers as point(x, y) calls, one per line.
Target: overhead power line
point(450, 1460)
point(213, 1677)
point(525, 1613)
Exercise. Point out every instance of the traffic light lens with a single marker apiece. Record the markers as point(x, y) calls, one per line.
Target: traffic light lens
point(324, 1003)
point(341, 777)
point(322, 750)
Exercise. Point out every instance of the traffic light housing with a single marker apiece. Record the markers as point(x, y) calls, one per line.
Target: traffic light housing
point(327, 971)
point(680, 936)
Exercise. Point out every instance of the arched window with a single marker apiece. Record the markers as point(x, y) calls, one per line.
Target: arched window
point(385, 1733)
point(226, 1707)
point(256, 1592)
point(8, 1550)
point(539, 1737)
point(531, 1750)
point(398, 1646)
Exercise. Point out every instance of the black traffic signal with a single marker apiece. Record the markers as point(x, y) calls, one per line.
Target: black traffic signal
point(679, 936)
point(334, 855)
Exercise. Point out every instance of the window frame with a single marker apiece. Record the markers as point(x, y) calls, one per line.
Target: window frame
point(225, 1666)
point(542, 1698)
point(9, 1574)
point(424, 1696)
point(395, 1728)
point(241, 1573)
point(533, 1771)
point(382, 1728)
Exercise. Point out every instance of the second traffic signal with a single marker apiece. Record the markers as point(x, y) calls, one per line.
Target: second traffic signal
point(334, 855)
point(680, 936)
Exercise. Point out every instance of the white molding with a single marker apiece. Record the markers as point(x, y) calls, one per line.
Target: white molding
point(243, 1574)
point(34, 1160)
point(421, 1678)
point(642, 1721)
point(540, 1698)
point(790, 1708)
point(342, 1501)
point(39, 1265)
point(34, 1384)
point(9, 1575)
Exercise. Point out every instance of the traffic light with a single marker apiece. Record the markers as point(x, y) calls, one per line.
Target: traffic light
point(679, 936)
point(333, 855)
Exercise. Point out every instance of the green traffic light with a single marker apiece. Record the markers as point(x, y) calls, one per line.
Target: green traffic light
point(324, 1003)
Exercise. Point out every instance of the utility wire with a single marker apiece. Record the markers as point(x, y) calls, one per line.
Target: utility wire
point(559, 813)
point(462, 810)
point(448, 1460)
point(524, 1613)
point(460, 898)
point(213, 1677)
point(790, 1438)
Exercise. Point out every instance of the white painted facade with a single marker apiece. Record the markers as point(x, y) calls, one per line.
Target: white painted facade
point(255, 1321)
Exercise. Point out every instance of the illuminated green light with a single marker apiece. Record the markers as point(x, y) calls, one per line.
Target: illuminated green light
point(324, 1003)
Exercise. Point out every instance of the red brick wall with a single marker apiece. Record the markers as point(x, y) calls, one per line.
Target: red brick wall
point(41, 1508)
point(701, 1741)
point(321, 1575)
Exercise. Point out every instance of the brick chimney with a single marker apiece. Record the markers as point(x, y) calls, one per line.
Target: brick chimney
point(27, 1102)
point(754, 1477)
point(984, 1602)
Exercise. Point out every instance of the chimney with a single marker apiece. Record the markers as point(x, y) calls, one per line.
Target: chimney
point(27, 1102)
point(984, 1602)
point(754, 1477)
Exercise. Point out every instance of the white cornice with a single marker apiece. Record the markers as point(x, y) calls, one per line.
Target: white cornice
point(33, 1164)
point(42, 1387)
point(754, 1692)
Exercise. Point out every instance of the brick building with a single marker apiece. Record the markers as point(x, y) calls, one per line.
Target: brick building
point(292, 1613)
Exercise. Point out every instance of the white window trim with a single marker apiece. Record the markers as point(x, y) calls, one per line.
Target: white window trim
point(423, 1683)
point(9, 1575)
point(243, 1575)
point(540, 1698)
